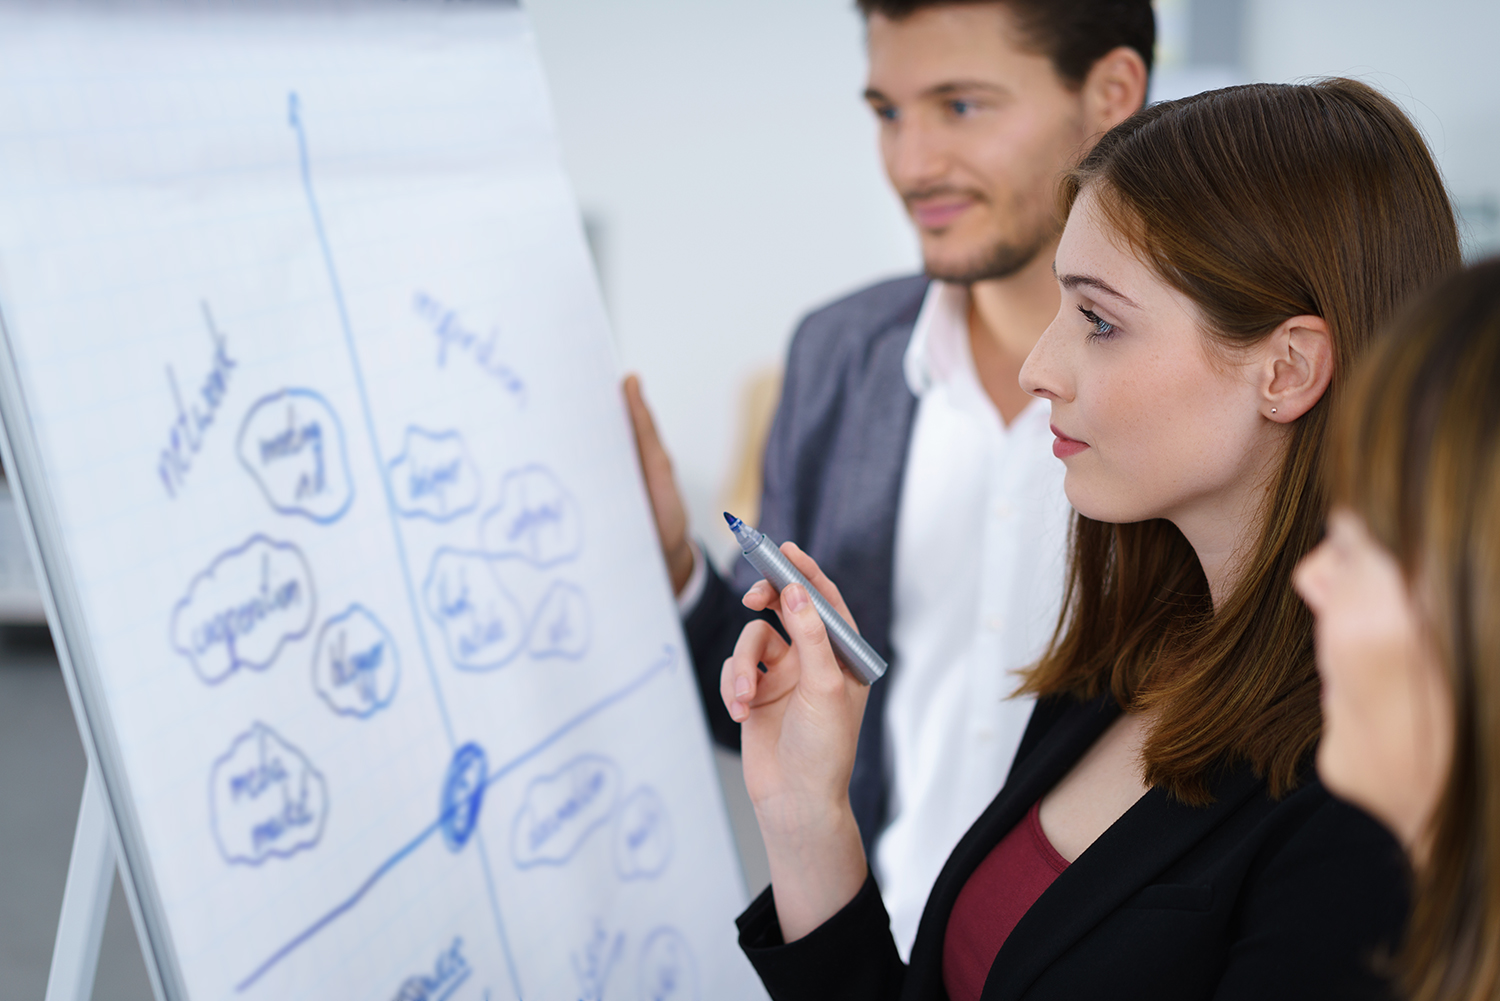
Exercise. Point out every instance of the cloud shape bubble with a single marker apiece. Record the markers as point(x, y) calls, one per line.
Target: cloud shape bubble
point(293, 445)
point(356, 668)
point(536, 519)
point(434, 477)
point(240, 612)
point(483, 624)
point(667, 970)
point(560, 810)
point(266, 800)
point(560, 627)
point(643, 835)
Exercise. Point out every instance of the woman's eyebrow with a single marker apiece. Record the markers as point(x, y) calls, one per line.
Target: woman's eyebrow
point(1097, 284)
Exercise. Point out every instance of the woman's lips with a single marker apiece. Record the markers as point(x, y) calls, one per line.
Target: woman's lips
point(1065, 446)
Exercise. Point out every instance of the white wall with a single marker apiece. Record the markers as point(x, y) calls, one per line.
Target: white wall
point(723, 151)
point(1437, 58)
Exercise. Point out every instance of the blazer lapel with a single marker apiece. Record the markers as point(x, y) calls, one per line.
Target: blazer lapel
point(1142, 844)
point(1059, 749)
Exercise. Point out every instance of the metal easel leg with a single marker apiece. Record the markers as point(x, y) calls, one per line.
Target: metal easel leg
point(91, 872)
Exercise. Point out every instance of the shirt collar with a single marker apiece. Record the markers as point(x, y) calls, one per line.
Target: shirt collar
point(939, 340)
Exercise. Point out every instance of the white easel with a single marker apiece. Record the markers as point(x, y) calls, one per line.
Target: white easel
point(91, 873)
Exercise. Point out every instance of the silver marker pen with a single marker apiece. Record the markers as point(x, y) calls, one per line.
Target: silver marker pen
point(852, 651)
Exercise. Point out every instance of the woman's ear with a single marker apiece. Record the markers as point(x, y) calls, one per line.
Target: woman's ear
point(1297, 368)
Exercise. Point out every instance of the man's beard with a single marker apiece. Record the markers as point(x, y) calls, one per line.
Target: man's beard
point(999, 260)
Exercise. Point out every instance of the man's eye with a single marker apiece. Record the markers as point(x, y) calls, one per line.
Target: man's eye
point(1102, 329)
point(961, 108)
point(886, 113)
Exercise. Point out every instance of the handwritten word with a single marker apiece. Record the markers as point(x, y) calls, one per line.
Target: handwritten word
point(293, 445)
point(600, 953)
point(667, 970)
point(266, 800)
point(450, 971)
point(560, 627)
point(483, 625)
point(643, 835)
point(244, 608)
point(451, 333)
point(559, 811)
point(185, 439)
point(536, 519)
point(355, 668)
point(434, 477)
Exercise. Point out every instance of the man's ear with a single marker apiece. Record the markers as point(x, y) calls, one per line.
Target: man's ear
point(1297, 368)
point(1115, 88)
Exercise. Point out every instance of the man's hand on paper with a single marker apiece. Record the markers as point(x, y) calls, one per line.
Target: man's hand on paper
point(799, 724)
point(661, 484)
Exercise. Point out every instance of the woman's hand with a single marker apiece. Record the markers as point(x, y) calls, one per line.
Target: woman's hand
point(799, 724)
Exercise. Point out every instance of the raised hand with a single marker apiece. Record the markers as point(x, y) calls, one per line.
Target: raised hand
point(661, 484)
point(799, 724)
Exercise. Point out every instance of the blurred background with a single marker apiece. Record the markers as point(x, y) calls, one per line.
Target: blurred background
point(727, 173)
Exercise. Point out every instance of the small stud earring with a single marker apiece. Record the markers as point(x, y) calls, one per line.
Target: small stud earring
point(1273, 410)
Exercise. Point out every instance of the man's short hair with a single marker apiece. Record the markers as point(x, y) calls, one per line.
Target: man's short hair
point(1074, 34)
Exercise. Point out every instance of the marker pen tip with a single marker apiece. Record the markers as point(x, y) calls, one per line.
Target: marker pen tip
point(732, 520)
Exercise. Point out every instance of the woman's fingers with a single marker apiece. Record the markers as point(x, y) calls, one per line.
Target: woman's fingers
point(741, 684)
point(810, 637)
point(818, 579)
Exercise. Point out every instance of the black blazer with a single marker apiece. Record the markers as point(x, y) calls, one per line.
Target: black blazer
point(1248, 898)
point(835, 459)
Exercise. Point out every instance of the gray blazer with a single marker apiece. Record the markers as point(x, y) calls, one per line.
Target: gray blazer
point(833, 470)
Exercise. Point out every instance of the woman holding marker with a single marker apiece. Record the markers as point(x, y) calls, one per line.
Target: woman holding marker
point(1406, 592)
point(1161, 834)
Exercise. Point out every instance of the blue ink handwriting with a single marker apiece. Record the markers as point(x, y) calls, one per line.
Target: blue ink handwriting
point(434, 477)
point(600, 953)
point(560, 810)
point(450, 971)
point(355, 668)
point(643, 835)
point(267, 800)
point(239, 612)
point(483, 625)
point(463, 794)
point(185, 439)
point(560, 627)
point(667, 970)
point(293, 445)
point(451, 333)
point(536, 519)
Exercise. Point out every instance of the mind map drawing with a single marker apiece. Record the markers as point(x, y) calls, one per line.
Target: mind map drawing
point(266, 799)
point(434, 477)
point(460, 804)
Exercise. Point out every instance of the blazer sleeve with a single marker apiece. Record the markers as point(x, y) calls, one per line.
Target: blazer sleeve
point(850, 956)
point(1325, 911)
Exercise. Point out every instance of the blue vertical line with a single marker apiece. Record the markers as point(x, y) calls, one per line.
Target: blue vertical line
point(294, 112)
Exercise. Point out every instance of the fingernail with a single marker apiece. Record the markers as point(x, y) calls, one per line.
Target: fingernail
point(741, 687)
point(795, 596)
point(737, 712)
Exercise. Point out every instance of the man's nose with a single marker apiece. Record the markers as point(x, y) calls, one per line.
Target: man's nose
point(917, 156)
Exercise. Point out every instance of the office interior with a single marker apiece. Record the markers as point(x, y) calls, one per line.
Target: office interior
point(728, 179)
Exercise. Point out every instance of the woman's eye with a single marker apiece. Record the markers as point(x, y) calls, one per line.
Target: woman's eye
point(1103, 329)
point(960, 108)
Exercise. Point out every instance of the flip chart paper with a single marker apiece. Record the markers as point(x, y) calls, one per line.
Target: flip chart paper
point(311, 397)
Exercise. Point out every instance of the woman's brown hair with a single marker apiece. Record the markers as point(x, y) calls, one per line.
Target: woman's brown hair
point(1416, 452)
point(1259, 203)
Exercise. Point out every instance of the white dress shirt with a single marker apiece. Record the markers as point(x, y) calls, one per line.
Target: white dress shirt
point(981, 540)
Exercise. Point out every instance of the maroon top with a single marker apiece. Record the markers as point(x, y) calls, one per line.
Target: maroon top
point(992, 902)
